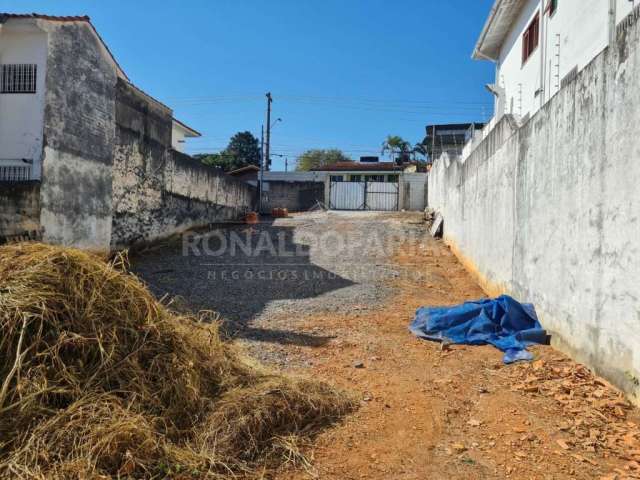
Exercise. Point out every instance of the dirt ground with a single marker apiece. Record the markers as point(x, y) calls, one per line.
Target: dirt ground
point(426, 412)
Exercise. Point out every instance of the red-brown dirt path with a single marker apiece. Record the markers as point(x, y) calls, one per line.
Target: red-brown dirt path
point(429, 413)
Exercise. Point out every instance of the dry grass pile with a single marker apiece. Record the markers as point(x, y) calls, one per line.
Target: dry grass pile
point(99, 380)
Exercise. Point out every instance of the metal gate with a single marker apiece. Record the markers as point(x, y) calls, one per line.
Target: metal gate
point(379, 196)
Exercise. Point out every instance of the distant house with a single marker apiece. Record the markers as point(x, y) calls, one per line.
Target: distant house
point(538, 45)
point(179, 133)
point(365, 171)
point(384, 186)
point(247, 174)
point(450, 138)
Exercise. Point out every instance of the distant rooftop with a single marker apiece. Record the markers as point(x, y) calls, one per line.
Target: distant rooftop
point(360, 167)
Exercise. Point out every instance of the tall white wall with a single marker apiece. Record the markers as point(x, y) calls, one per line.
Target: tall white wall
point(550, 212)
point(22, 115)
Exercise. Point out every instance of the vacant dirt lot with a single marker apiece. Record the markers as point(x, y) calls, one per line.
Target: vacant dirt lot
point(338, 308)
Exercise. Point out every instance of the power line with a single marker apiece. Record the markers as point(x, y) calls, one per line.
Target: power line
point(334, 99)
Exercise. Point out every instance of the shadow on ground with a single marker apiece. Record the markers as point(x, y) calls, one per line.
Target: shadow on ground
point(236, 270)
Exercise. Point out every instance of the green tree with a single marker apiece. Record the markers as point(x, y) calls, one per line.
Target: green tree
point(320, 158)
point(243, 149)
point(217, 160)
point(395, 145)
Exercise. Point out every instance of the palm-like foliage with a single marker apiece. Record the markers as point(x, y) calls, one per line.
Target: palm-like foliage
point(421, 149)
point(395, 145)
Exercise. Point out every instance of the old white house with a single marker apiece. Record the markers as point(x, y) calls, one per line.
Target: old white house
point(539, 45)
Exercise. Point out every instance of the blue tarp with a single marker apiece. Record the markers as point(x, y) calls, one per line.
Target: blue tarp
point(503, 322)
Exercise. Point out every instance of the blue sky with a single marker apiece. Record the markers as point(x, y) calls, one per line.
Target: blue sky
point(343, 73)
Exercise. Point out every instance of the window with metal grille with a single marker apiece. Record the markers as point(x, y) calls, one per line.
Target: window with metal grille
point(375, 178)
point(15, 174)
point(18, 78)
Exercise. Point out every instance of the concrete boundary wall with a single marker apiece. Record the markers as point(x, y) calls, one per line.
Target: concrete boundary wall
point(550, 213)
point(158, 191)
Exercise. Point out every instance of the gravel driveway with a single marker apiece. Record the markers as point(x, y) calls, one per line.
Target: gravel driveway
point(262, 278)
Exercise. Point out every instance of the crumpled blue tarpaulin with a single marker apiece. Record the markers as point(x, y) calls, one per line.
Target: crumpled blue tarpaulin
point(502, 322)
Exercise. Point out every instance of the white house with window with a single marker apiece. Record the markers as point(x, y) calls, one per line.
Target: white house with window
point(23, 63)
point(539, 45)
point(179, 134)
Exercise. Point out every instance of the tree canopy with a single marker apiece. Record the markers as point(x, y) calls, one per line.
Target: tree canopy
point(320, 158)
point(243, 149)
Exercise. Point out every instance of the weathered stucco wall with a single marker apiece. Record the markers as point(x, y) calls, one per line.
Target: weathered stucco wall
point(79, 134)
point(550, 213)
point(158, 191)
point(19, 210)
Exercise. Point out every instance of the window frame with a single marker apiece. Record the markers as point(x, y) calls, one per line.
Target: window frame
point(27, 84)
point(531, 38)
point(375, 178)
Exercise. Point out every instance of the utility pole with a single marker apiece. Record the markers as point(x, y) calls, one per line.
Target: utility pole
point(286, 164)
point(261, 170)
point(268, 144)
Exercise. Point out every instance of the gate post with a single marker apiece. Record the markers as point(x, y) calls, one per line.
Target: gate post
point(366, 189)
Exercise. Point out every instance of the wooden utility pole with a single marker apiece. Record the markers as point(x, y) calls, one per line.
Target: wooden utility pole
point(268, 143)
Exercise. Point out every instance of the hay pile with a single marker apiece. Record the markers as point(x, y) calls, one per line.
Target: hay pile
point(99, 380)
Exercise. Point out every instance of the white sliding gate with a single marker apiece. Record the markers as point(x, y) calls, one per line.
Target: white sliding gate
point(378, 196)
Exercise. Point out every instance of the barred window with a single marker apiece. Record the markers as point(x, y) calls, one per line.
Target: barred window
point(18, 78)
point(15, 173)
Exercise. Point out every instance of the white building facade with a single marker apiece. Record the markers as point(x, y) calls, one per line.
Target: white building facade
point(23, 65)
point(538, 45)
point(179, 134)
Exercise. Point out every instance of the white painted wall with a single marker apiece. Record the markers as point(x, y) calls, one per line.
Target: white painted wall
point(415, 185)
point(22, 115)
point(578, 31)
point(178, 136)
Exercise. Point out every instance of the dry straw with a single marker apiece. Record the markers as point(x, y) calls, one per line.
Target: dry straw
point(100, 380)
